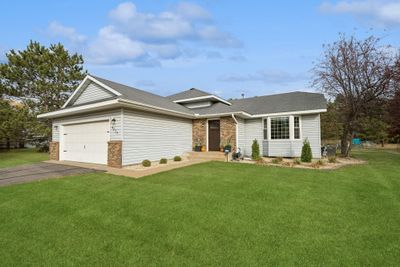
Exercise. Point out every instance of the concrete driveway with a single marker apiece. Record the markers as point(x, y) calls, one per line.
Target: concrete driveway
point(39, 171)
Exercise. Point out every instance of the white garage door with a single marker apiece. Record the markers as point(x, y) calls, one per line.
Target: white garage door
point(85, 142)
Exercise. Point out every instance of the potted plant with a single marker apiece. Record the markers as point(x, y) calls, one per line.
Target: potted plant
point(203, 148)
point(228, 148)
point(197, 145)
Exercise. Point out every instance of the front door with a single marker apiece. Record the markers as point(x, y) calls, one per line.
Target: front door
point(213, 135)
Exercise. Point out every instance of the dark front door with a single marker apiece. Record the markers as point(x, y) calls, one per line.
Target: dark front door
point(213, 135)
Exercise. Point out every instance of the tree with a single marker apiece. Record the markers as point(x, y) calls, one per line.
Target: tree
point(354, 73)
point(306, 153)
point(394, 116)
point(375, 129)
point(255, 150)
point(41, 78)
point(13, 122)
point(331, 126)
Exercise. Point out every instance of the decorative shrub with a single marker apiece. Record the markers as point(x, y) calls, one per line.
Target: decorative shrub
point(146, 163)
point(332, 159)
point(317, 164)
point(163, 161)
point(277, 160)
point(177, 158)
point(306, 154)
point(297, 161)
point(255, 150)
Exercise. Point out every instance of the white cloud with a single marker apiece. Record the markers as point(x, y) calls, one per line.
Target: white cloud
point(383, 13)
point(192, 11)
point(147, 39)
point(112, 47)
point(56, 29)
point(165, 25)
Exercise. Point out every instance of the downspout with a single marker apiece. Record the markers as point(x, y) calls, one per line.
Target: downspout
point(236, 132)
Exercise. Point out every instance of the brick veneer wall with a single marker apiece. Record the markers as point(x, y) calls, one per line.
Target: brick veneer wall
point(228, 131)
point(54, 149)
point(199, 128)
point(114, 158)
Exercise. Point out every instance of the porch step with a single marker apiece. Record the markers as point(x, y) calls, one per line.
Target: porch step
point(211, 155)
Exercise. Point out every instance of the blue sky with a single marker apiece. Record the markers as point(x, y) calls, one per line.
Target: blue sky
point(220, 46)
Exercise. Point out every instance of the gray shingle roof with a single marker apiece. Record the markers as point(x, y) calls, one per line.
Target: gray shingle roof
point(191, 93)
point(144, 97)
point(287, 102)
point(216, 108)
point(294, 101)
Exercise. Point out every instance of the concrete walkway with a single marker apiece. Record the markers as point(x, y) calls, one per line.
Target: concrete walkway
point(39, 171)
point(131, 172)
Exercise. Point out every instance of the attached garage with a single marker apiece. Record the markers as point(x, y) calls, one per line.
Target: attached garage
point(85, 142)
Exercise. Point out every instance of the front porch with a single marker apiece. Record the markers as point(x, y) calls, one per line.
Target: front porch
point(214, 133)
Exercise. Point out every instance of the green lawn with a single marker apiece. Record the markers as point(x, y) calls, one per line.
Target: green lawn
point(209, 214)
point(21, 156)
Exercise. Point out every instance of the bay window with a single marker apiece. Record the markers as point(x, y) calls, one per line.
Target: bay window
point(282, 128)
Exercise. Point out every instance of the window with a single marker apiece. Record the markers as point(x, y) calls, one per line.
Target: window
point(280, 128)
point(265, 129)
point(296, 127)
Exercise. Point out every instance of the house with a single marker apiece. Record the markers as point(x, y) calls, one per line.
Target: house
point(106, 122)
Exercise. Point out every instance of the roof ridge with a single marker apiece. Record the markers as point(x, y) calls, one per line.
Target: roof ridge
point(278, 94)
point(144, 91)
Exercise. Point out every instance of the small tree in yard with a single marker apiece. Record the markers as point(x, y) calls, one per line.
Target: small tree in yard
point(255, 150)
point(355, 73)
point(306, 153)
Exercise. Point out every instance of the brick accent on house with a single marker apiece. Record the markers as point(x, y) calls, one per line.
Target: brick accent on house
point(199, 128)
point(228, 131)
point(54, 149)
point(114, 158)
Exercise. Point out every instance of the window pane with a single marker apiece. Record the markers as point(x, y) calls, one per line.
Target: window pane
point(296, 127)
point(296, 133)
point(280, 128)
point(296, 121)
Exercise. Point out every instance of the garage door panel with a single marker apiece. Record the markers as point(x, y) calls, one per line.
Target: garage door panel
point(86, 142)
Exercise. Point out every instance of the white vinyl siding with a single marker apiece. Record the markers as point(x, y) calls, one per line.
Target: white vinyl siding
point(253, 130)
point(152, 136)
point(311, 129)
point(115, 129)
point(92, 93)
point(241, 134)
point(201, 104)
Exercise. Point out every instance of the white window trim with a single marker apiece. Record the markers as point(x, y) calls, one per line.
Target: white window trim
point(291, 128)
point(300, 128)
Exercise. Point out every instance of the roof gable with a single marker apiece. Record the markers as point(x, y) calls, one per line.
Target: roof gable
point(90, 90)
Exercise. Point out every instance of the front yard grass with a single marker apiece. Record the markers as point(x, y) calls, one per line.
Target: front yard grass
point(209, 214)
point(17, 157)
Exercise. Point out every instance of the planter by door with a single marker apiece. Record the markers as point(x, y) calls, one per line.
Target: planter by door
point(213, 135)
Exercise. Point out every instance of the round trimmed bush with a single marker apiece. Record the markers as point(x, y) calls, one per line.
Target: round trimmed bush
point(163, 161)
point(146, 163)
point(177, 158)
